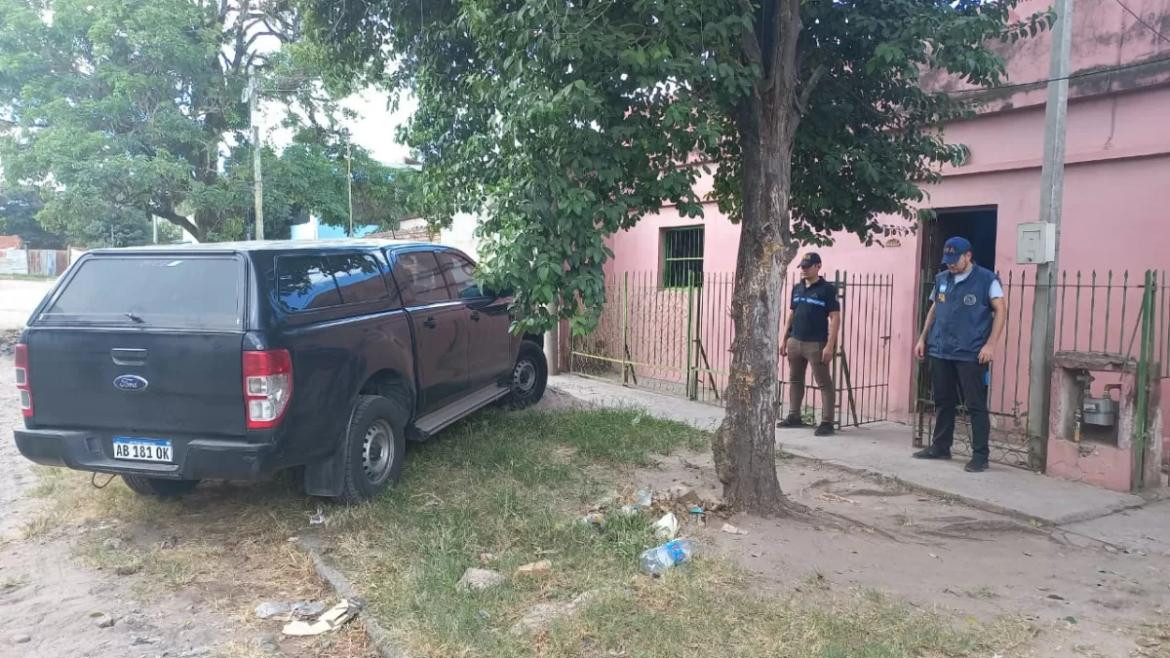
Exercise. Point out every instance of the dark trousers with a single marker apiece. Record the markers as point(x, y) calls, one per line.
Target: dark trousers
point(950, 379)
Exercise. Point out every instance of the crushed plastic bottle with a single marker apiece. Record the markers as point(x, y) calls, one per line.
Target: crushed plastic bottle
point(643, 498)
point(655, 561)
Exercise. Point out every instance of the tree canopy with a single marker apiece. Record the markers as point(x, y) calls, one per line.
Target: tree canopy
point(115, 111)
point(562, 123)
point(18, 211)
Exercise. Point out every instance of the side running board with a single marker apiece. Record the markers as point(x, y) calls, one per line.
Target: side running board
point(436, 420)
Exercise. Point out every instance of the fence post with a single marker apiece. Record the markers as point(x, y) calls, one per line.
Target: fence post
point(1141, 410)
point(690, 344)
point(625, 327)
point(841, 285)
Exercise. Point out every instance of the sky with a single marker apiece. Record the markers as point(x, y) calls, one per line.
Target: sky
point(375, 128)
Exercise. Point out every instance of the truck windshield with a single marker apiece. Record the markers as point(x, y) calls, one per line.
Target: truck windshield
point(157, 291)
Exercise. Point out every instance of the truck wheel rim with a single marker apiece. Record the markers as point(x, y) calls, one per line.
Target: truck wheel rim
point(524, 377)
point(377, 451)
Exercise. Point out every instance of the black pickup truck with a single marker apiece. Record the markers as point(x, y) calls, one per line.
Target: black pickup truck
point(168, 365)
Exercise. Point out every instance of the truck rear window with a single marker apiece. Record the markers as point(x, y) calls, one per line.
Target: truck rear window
point(166, 291)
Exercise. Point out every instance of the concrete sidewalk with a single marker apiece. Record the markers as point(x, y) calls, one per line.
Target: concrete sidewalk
point(883, 449)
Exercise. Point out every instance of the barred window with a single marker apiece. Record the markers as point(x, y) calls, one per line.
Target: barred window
point(682, 257)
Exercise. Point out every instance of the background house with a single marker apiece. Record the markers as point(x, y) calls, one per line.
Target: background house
point(1116, 212)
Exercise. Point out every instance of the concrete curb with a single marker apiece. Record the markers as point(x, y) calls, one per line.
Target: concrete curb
point(383, 642)
point(966, 500)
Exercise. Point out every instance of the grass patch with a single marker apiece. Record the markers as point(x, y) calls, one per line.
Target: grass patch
point(511, 486)
point(498, 491)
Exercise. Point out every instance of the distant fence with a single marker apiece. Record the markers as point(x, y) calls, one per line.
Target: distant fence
point(677, 339)
point(36, 262)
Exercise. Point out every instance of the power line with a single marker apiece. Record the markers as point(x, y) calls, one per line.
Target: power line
point(1141, 20)
point(1072, 76)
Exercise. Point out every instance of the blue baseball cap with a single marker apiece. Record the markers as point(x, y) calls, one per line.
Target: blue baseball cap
point(954, 248)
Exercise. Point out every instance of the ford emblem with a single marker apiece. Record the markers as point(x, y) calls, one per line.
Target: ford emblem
point(130, 383)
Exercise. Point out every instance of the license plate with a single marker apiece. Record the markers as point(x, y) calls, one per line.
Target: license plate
point(143, 450)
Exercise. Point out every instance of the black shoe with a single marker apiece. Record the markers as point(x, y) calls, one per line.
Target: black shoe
point(824, 429)
point(792, 421)
point(976, 466)
point(931, 453)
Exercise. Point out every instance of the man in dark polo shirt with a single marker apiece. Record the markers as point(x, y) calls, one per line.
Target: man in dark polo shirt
point(810, 337)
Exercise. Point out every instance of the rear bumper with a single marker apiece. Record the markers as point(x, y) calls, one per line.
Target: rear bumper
point(195, 458)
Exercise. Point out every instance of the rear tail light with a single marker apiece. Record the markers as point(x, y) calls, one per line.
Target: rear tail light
point(267, 387)
point(22, 385)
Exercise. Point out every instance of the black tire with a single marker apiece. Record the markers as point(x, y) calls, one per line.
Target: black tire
point(148, 486)
point(373, 461)
point(529, 377)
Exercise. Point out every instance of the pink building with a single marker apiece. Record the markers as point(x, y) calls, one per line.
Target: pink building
point(1116, 218)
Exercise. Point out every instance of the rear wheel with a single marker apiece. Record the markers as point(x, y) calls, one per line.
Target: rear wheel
point(148, 486)
point(375, 447)
point(529, 377)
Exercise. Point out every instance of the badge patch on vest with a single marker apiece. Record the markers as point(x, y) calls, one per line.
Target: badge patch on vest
point(970, 299)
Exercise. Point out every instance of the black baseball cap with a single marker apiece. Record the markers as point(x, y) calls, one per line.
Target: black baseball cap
point(811, 258)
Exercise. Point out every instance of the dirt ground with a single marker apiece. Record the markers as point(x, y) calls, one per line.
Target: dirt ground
point(1082, 597)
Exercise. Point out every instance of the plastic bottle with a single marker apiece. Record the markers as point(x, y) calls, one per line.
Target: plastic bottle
point(657, 560)
point(642, 500)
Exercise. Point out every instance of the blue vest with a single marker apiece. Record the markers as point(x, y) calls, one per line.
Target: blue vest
point(962, 315)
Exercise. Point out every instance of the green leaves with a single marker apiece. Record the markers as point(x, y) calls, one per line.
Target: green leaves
point(563, 123)
point(114, 111)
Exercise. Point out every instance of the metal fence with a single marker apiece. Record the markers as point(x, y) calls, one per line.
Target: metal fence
point(1095, 312)
point(678, 339)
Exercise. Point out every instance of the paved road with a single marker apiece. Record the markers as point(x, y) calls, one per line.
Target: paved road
point(18, 298)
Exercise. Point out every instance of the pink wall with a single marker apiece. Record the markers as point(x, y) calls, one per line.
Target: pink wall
point(1117, 184)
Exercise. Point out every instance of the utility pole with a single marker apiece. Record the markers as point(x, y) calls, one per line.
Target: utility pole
point(154, 228)
point(349, 185)
point(253, 94)
point(1051, 195)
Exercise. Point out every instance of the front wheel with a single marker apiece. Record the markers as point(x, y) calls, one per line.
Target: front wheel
point(529, 377)
point(375, 446)
point(147, 486)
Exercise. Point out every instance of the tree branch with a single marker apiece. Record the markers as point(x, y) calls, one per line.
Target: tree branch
point(751, 45)
point(175, 218)
point(809, 86)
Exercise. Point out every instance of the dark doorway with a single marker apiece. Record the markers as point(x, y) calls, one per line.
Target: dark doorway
point(978, 225)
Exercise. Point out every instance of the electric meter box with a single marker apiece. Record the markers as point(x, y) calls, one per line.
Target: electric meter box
point(1035, 243)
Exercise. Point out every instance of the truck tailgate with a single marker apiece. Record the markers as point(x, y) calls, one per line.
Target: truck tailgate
point(137, 381)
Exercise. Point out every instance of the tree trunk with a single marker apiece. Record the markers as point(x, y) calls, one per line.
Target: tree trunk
point(745, 445)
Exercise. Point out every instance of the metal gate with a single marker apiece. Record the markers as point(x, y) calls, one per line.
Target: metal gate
point(677, 339)
point(1116, 313)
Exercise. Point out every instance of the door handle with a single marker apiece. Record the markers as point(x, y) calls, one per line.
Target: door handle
point(128, 356)
point(475, 316)
point(429, 323)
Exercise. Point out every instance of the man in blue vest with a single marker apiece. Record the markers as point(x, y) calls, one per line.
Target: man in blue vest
point(962, 328)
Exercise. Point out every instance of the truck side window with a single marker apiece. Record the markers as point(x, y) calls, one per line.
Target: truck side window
point(359, 278)
point(460, 274)
point(303, 284)
point(419, 275)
